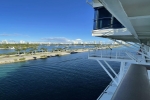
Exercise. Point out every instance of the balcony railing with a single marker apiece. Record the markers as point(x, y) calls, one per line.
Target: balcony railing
point(115, 54)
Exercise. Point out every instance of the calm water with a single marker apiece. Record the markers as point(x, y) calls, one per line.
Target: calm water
point(6, 51)
point(70, 77)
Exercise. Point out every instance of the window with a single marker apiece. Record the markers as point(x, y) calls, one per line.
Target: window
point(104, 20)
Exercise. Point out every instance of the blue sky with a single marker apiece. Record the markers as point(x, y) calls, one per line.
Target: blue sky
point(43, 20)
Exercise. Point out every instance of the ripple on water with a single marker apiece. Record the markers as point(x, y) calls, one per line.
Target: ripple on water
point(70, 77)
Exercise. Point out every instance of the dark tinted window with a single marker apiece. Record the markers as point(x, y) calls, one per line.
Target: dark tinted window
point(103, 19)
point(103, 13)
point(116, 23)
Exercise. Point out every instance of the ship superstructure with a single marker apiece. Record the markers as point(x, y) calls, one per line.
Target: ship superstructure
point(127, 21)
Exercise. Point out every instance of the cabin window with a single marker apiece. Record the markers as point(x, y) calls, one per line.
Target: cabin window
point(104, 20)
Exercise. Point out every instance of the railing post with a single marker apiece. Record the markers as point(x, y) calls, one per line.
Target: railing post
point(88, 52)
point(121, 70)
point(101, 53)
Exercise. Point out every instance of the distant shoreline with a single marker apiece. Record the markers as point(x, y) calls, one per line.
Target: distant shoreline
point(7, 48)
point(5, 59)
point(2, 48)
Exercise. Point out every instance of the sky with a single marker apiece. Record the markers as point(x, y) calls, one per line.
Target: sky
point(46, 20)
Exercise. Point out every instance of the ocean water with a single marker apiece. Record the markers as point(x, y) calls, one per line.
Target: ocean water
point(69, 77)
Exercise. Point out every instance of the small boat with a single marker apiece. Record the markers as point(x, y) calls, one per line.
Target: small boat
point(73, 52)
point(11, 48)
point(58, 55)
point(35, 58)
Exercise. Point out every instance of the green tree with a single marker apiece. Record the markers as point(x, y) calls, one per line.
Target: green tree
point(18, 49)
point(42, 49)
point(35, 49)
point(24, 49)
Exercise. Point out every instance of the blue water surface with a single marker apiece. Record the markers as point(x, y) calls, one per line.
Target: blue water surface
point(69, 77)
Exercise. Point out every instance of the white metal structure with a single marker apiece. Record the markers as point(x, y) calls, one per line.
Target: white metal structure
point(134, 15)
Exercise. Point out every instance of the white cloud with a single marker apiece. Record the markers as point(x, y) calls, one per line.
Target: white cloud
point(13, 35)
point(56, 39)
point(78, 39)
point(60, 40)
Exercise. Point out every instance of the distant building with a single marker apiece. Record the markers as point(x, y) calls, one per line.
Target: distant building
point(22, 42)
point(85, 43)
point(4, 42)
point(100, 42)
point(94, 42)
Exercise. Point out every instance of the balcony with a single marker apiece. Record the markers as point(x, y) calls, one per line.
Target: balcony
point(116, 55)
point(107, 25)
point(110, 32)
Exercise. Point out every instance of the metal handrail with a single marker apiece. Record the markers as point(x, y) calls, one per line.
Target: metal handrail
point(111, 27)
point(117, 54)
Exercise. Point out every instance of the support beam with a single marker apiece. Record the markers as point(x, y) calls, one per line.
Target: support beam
point(131, 56)
point(111, 68)
point(108, 72)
